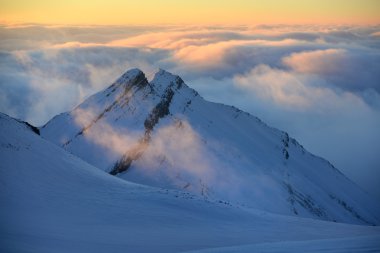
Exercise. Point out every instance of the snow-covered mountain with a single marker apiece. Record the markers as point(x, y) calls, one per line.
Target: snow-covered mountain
point(52, 201)
point(164, 134)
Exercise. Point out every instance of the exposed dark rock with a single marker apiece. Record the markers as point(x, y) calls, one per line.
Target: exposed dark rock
point(285, 141)
point(31, 127)
point(348, 208)
point(305, 201)
point(286, 154)
point(159, 111)
point(121, 166)
point(179, 82)
point(126, 160)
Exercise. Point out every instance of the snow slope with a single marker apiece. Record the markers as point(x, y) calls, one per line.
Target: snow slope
point(52, 201)
point(162, 133)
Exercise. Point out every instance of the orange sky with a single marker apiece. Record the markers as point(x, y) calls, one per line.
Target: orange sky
point(100, 12)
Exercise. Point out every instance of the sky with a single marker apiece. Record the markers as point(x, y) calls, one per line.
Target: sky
point(232, 12)
point(310, 68)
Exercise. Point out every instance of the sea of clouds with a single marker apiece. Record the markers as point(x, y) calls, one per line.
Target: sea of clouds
point(319, 83)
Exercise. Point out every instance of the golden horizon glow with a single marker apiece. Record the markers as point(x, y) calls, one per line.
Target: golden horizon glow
point(126, 12)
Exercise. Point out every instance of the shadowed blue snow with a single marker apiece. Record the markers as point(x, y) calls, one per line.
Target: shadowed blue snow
point(355, 245)
point(53, 201)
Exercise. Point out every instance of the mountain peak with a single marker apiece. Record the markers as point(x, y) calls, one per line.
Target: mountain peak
point(161, 133)
point(163, 72)
point(164, 79)
point(161, 81)
point(130, 74)
point(132, 77)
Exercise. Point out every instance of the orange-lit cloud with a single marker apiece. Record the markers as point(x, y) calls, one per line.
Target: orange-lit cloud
point(211, 54)
point(327, 61)
point(202, 47)
point(376, 34)
point(76, 44)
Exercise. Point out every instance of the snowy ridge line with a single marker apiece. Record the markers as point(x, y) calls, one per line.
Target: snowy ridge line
point(162, 133)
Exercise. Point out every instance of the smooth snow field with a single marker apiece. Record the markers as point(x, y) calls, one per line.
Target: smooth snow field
point(51, 201)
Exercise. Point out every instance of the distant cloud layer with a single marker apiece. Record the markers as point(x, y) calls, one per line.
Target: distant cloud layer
point(319, 83)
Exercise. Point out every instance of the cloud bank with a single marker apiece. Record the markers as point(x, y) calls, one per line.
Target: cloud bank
point(319, 83)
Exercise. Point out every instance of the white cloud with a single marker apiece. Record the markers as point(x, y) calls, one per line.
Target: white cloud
point(115, 141)
point(277, 85)
point(292, 90)
point(183, 153)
